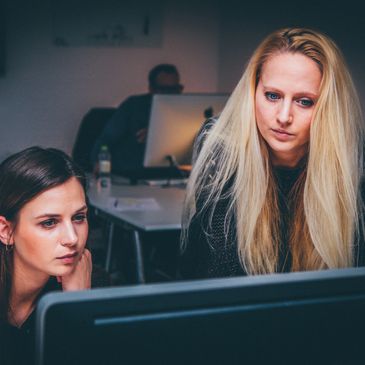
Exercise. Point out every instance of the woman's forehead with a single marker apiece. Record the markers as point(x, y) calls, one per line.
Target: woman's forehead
point(293, 71)
point(61, 199)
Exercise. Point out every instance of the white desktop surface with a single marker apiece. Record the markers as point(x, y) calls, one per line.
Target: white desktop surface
point(169, 199)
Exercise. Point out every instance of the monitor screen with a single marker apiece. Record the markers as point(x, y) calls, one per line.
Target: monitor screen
point(174, 123)
point(295, 318)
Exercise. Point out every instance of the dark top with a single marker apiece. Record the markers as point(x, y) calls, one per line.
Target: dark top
point(209, 253)
point(119, 134)
point(17, 344)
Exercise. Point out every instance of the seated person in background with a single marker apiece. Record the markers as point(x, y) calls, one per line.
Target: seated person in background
point(125, 133)
point(43, 232)
point(276, 186)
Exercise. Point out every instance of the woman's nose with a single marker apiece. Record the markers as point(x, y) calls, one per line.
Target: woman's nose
point(69, 237)
point(285, 113)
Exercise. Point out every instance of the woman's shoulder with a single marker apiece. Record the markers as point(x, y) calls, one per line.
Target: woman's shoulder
point(206, 128)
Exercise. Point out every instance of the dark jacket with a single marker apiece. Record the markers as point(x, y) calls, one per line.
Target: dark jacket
point(120, 132)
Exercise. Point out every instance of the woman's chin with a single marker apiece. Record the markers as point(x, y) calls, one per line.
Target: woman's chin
point(64, 271)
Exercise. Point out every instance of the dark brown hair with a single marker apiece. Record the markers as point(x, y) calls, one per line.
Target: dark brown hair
point(23, 176)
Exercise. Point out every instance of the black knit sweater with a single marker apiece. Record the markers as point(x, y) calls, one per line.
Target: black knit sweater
point(212, 254)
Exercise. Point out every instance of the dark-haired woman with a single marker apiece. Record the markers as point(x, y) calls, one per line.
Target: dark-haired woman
point(43, 232)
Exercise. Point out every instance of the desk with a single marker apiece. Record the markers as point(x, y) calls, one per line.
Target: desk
point(167, 217)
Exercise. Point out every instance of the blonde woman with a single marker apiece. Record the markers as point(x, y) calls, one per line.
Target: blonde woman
point(276, 185)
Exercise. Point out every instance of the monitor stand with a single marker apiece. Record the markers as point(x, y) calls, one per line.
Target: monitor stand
point(175, 169)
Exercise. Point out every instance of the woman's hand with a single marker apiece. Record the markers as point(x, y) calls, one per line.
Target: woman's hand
point(80, 277)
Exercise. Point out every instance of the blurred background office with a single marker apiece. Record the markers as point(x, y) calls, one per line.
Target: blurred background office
point(48, 86)
point(126, 131)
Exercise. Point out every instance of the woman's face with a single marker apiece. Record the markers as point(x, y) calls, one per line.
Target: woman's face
point(51, 231)
point(285, 99)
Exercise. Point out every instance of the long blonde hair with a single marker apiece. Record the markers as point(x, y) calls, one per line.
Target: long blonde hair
point(325, 226)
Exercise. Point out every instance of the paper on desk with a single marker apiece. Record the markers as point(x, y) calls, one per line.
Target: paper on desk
point(133, 204)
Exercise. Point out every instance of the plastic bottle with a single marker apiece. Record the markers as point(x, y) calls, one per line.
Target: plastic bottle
point(105, 167)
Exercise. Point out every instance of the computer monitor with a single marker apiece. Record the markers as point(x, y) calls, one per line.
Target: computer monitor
point(296, 318)
point(174, 123)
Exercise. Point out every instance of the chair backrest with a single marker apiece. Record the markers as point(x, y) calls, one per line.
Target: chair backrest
point(90, 129)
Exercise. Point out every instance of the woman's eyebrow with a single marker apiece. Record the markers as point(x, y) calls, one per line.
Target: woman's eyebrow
point(53, 215)
point(47, 215)
point(81, 209)
point(299, 93)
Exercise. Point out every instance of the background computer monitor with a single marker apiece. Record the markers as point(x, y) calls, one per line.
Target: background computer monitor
point(296, 318)
point(174, 122)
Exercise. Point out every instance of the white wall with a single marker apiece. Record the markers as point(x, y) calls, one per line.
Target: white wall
point(48, 89)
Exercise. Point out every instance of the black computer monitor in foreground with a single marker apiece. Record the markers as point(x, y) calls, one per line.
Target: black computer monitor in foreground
point(297, 318)
point(174, 123)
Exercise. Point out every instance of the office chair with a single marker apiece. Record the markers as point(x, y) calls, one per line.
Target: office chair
point(90, 129)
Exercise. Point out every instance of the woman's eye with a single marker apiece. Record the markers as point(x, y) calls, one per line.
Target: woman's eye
point(306, 102)
point(49, 223)
point(79, 218)
point(272, 96)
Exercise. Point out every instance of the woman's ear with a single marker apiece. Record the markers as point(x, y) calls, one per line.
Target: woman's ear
point(6, 236)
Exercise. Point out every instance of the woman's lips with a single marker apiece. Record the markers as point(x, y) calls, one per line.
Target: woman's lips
point(69, 258)
point(281, 134)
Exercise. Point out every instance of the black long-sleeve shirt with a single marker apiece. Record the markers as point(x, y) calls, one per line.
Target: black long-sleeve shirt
point(17, 345)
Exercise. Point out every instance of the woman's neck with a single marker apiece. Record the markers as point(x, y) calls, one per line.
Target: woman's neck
point(288, 159)
point(288, 162)
point(23, 295)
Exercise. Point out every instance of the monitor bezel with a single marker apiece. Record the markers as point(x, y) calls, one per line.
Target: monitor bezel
point(143, 302)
